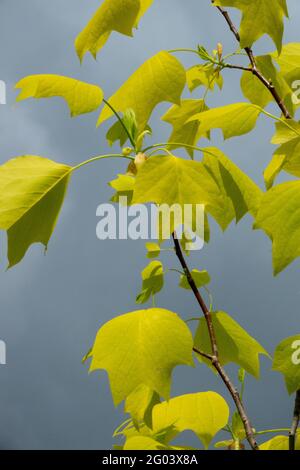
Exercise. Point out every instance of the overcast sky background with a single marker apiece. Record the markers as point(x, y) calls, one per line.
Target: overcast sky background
point(52, 306)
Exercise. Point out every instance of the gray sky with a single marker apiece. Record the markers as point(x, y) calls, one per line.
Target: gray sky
point(52, 306)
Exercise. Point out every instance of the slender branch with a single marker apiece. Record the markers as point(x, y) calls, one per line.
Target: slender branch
point(101, 157)
point(254, 69)
point(295, 424)
point(214, 358)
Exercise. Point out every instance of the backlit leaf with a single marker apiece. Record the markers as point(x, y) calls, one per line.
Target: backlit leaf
point(171, 180)
point(143, 443)
point(279, 443)
point(203, 413)
point(259, 18)
point(81, 97)
point(153, 281)
point(153, 250)
point(234, 343)
point(113, 15)
point(32, 190)
point(234, 119)
point(140, 404)
point(142, 348)
point(244, 194)
point(185, 132)
point(201, 278)
point(161, 78)
point(203, 75)
point(256, 92)
point(287, 361)
point(279, 217)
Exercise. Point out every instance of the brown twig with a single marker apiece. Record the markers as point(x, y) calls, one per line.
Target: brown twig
point(269, 85)
point(254, 69)
point(214, 358)
point(295, 424)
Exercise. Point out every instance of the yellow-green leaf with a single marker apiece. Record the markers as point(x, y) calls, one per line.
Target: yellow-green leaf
point(288, 61)
point(161, 78)
point(279, 443)
point(132, 349)
point(279, 217)
point(113, 15)
point(203, 75)
point(139, 405)
point(185, 132)
point(259, 17)
point(171, 180)
point(287, 158)
point(254, 90)
point(81, 97)
point(234, 343)
point(244, 194)
point(124, 186)
point(153, 250)
point(201, 278)
point(287, 361)
point(143, 443)
point(32, 190)
point(203, 413)
point(153, 281)
point(234, 119)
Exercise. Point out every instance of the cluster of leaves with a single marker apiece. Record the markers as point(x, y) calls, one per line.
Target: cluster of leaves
point(139, 350)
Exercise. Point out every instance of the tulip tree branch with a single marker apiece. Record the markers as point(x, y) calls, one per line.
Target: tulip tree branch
point(254, 69)
point(296, 420)
point(214, 357)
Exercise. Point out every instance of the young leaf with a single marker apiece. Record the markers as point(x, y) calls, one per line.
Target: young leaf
point(124, 186)
point(161, 78)
point(153, 250)
point(171, 180)
point(153, 281)
point(279, 217)
point(287, 361)
point(142, 348)
point(204, 75)
point(185, 132)
point(203, 413)
point(32, 190)
point(259, 18)
point(234, 119)
point(201, 278)
point(117, 131)
point(279, 443)
point(113, 15)
point(234, 343)
point(81, 97)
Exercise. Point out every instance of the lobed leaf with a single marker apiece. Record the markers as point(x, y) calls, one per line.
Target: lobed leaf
point(279, 217)
point(161, 78)
point(81, 97)
point(113, 15)
point(259, 18)
point(32, 190)
point(142, 348)
point(203, 413)
point(234, 119)
point(234, 343)
point(287, 361)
